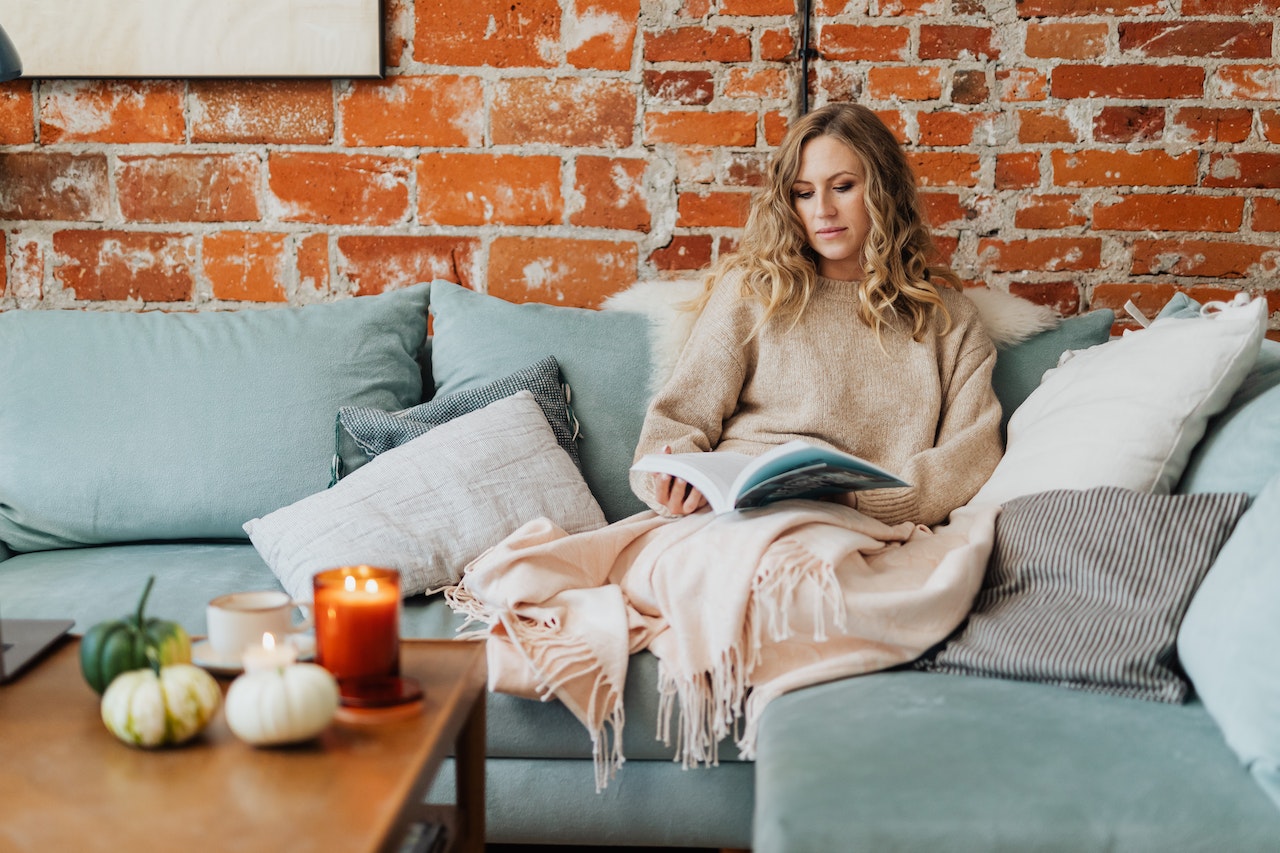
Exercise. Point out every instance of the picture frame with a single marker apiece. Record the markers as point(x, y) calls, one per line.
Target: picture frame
point(196, 38)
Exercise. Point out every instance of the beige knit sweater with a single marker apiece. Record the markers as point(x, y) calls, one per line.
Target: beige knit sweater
point(925, 410)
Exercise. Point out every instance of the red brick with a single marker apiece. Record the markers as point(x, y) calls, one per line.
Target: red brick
point(1128, 124)
point(904, 83)
point(339, 189)
point(691, 252)
point(943, 209)
point(896, 121)
point(899, 8)
point(376, 263)
point(1247, 82)
point(1062, 296)
point(1151, 297)
point(399, 31)
point(1056, 8)
point(945, 168)
point(282, 112)
point(713, 210)
point(578, 112)
point(601, 34)
point(443, 112)
point(1066, 40)
point(969, 88)
point(694, 9)
point(745, 169)
point(17, 114)
point(1154, 82)
point(1048, 212)
point(1266, 214)
point(246, 266)
point(681, 88)
point(1246, 169)
point(1204, 258)
point(969, 7)
point(756, 83)
point(852, 43)
point(1017, 170)
point(1022, 84)
point(111, 111)
point(189, 188)
point(956, 42)
point(489, 189)
point(1038, 126)
point(1270, 124)
point(951, 128)
point(776, 45)
point(1230, 7)
point(313, 263)
point(25, 277)
point(560, 271)
point(1045, 254)
point(54, 185)
point(494, 33)
point(700, 128)
point(698, 44)
point(776, 125)
point(612, 193)
point(1229, 39)
point(1169, 213)
point(1123, 168)
point(757, 7)
point(1209, 124)
point(125, 265)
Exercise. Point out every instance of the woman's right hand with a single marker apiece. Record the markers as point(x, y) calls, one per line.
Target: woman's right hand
point(675, 495)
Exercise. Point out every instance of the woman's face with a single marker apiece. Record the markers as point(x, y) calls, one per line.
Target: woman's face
point(827, 195)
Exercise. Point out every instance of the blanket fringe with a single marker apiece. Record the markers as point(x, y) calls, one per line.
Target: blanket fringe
point(715, 704)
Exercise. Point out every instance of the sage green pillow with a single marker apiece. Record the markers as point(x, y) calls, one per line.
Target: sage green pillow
point(118, 426)
point(603, 356)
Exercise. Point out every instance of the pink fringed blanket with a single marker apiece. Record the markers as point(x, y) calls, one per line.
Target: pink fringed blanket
point(738, 609)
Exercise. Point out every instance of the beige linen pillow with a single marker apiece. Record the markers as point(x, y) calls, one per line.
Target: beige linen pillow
point(430, 506)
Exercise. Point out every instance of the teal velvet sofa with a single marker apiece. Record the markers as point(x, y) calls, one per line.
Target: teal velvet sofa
point(134, 445)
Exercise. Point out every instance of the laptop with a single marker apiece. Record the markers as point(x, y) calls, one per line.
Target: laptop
point(24, 640)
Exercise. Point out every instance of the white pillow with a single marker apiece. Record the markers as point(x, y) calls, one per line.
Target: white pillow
point(430, 506)
point(1127, 413)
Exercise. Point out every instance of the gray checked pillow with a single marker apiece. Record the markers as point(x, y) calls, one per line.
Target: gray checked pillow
point(1087, 588)
point(362, 432)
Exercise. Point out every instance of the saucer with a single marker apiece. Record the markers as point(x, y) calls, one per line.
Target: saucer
point(204, 656)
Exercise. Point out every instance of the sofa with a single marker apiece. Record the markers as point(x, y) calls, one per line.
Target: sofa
point(193, 446)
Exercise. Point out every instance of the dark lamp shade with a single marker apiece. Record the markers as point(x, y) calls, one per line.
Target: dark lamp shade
point(10, 62)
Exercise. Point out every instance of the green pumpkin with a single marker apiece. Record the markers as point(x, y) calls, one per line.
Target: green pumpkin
point(110, 648)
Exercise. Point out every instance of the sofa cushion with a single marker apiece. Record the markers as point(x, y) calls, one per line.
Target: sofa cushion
point(905, 761)
point(432, 505)
point(1128, 413)
point(1086, 589)
point(1251, 420)
point(603, 357)
point(1230, 637)
point(131, 426)
point(1020, 366)
point(363, 432)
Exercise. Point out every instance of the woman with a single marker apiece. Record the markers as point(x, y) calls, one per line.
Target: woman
point(829, 325)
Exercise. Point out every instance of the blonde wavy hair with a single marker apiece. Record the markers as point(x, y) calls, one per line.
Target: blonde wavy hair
point(778, 266)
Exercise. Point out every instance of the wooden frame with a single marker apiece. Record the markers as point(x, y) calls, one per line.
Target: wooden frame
point(196, 38)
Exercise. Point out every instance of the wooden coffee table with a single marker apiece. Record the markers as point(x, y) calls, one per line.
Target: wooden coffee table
point(66, 783)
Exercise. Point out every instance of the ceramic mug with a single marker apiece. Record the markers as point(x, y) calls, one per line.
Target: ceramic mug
point(238, 620)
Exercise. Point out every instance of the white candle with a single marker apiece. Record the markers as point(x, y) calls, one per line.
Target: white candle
point(269, 655)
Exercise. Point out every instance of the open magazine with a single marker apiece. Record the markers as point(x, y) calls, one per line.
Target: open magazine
point(796, 469)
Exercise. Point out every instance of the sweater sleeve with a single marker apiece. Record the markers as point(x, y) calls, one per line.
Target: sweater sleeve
point(966, 450)
point(688, 414)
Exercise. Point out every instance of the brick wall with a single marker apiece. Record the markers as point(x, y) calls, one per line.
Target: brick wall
point(1082, 152)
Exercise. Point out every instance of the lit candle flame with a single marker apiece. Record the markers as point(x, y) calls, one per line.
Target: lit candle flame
point(371, 586)
point(268, 641)
point(349, 583)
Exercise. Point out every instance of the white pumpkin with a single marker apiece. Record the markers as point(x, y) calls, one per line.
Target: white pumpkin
point(146, 709)
point(282, 704)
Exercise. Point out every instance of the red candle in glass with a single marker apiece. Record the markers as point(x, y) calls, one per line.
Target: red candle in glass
point(357, 616)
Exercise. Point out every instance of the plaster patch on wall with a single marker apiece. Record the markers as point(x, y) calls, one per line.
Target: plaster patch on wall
point(580, 29)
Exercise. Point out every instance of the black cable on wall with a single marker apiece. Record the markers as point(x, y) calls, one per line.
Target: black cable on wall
point(805, 7)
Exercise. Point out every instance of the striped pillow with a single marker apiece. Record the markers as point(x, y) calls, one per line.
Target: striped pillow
point(1086, 589)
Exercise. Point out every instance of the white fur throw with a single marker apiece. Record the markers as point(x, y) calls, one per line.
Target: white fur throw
point(1008, 319)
